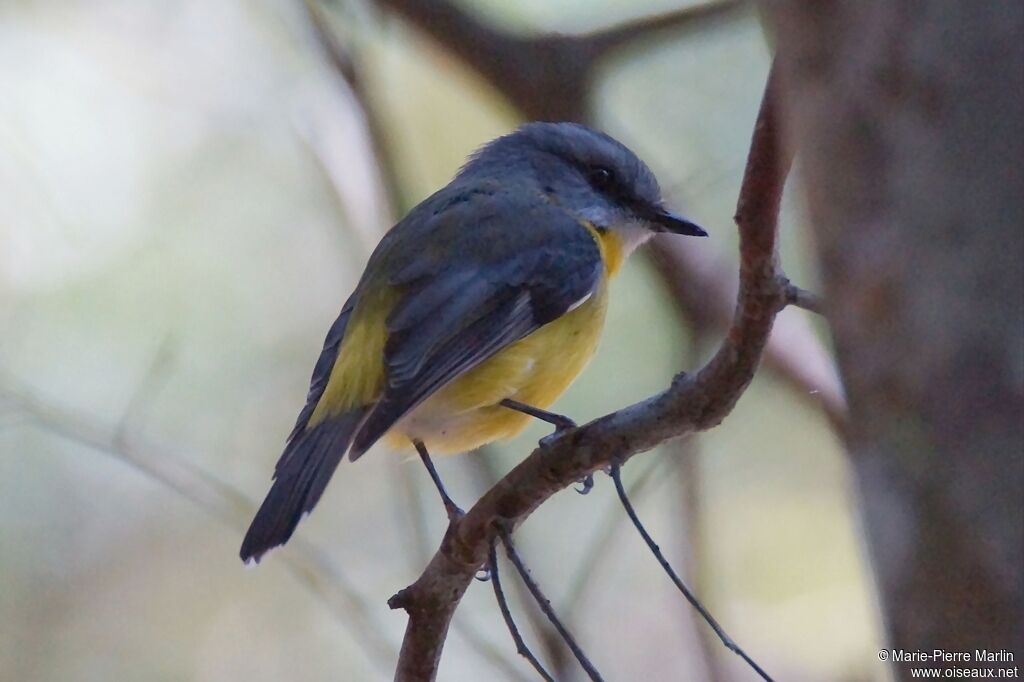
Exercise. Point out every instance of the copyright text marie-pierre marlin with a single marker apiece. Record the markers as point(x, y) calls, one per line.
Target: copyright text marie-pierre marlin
point(945, 656)
point(945, 663)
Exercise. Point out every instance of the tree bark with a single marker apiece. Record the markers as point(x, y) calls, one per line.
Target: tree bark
point(909, 118)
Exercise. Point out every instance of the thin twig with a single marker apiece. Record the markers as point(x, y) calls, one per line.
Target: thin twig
point(595, 550)
point(545, 606)
point(801, 298)
point(499, 594)
point(616, 474)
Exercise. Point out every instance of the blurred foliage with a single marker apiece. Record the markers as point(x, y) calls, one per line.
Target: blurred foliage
point(166, 200)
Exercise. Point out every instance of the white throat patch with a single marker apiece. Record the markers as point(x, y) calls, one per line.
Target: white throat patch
point(631, 232)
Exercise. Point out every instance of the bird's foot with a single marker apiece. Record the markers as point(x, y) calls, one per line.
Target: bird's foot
point(587, 483)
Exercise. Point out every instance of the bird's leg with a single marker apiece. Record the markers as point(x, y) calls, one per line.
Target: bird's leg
point(588, 484)
point(561, 424)
point(452, 509)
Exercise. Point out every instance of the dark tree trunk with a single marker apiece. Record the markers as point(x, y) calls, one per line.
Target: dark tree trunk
point(909, 121)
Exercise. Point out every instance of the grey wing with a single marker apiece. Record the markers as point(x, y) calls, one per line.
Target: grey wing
point(452, 319)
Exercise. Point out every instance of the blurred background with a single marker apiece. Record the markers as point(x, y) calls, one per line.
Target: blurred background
point(189, 192)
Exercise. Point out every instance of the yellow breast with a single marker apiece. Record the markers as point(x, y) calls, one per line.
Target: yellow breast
point(535, 370)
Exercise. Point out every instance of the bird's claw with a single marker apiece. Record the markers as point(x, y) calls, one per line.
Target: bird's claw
point(588, 484)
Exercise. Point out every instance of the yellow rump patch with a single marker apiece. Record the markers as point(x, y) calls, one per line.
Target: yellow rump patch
point(357, 377)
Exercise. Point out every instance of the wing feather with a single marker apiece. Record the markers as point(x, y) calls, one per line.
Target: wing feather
point(506, 285)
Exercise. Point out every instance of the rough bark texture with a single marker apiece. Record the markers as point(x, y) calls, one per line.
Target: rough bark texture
point(909, 115)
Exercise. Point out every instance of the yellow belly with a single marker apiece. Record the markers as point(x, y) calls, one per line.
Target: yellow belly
point(535, 370)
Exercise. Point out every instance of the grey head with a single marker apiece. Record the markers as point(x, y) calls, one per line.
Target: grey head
point(586, 172)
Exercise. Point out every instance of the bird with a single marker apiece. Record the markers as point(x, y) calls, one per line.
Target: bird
point(474, 313)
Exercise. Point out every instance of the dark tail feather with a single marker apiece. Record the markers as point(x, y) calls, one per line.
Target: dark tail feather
point(301, 475)
point(376, 424)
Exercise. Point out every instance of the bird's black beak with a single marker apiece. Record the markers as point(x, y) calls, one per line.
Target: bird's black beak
point(664, 220)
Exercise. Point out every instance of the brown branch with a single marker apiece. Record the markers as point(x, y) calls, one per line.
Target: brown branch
point(691, 404)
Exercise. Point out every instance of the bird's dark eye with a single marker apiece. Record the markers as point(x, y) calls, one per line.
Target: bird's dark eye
point(601, 178)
